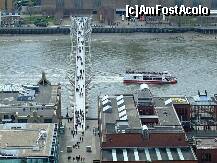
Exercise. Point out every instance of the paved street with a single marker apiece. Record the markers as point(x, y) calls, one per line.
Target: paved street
point(89, 139)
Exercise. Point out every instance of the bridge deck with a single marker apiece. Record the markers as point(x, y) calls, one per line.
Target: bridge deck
point(79, 109)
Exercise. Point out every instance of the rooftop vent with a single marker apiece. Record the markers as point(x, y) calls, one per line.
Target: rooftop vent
point(144, 86)
point(120, 109)
point(124, 118)
point(145, 131)
point(106, 102)
point(169, 101)
point(118, 98)
point(144, 127)
point(120, 102)
point(123, 115)
point(105, 98)
point(107, 109)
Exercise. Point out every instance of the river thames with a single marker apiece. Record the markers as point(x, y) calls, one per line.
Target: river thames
point(192, 58)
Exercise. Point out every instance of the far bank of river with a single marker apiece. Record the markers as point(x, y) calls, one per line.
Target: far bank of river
point(64, 30)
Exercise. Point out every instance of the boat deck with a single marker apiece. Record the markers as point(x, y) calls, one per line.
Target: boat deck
point(146, 72)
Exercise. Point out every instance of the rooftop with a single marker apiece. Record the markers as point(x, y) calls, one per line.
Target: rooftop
point(206, 143)
point(128, 112)
point(26, 139)
point(47, 95)
point(147, 154)
point(114, 107)
point(166, 113)
point(203, 100)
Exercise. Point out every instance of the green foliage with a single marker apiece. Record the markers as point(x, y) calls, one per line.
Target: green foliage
point(41, 22)
point(25, 2)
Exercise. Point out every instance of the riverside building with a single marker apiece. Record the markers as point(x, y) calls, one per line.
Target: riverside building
point(143, 127)
point(140, 127)
point(198, 115)
point(39, 103)
point(28, 142)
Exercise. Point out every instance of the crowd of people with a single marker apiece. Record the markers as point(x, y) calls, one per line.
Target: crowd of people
point(79, 114)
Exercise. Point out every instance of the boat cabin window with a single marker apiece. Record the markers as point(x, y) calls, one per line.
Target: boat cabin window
point(146, 78)
point(134, 77)
point(157, 78)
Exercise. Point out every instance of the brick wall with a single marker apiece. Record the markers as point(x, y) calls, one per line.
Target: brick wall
point(202, 152)
point(137, 140)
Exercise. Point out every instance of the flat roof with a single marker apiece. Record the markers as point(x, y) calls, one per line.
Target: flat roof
point(109, 119)
point(44, 102)
point(47, 95)
point(209, 102)
point(206, 143)
point(166, 113)
point(20, 139)
point(180, 100)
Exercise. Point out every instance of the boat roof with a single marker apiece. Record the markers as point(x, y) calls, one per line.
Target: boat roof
point(149, 75)
point(146, 72)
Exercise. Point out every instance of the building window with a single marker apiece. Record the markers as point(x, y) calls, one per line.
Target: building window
point(22, 120)
point(6, 116)
point(47, 120)
point(206, 157)
point(94, 12)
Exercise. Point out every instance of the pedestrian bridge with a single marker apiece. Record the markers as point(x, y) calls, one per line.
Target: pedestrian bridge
point(80, 36)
